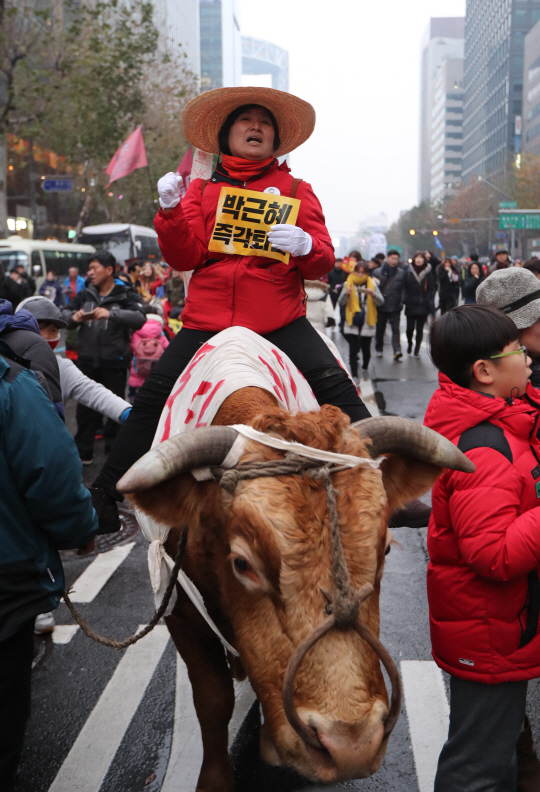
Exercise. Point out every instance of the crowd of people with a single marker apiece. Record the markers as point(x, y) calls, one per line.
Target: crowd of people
point(377, 292)
point(120, 332)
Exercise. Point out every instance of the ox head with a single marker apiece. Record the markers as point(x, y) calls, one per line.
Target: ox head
point(270, 545)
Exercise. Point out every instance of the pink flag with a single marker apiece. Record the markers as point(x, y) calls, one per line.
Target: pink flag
point(130, 156)
point(184, 169)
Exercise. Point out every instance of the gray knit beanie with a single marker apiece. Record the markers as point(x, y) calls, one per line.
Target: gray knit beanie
point(515, 291)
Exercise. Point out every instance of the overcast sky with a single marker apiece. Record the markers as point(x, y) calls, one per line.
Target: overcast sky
point(358, 63)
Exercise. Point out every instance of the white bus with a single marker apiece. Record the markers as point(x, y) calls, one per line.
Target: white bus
point(124, 240)
point(38, 256)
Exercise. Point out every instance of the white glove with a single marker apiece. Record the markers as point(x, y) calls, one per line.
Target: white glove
point(168, 188)
point(290, 239)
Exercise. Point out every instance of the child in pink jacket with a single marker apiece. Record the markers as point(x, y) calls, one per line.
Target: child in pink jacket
point(147, 345)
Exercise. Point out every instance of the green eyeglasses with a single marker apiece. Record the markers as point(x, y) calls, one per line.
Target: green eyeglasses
point(521, 351)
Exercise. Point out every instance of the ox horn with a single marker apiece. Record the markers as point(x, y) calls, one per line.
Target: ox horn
point(200, 448)
point(392, 435)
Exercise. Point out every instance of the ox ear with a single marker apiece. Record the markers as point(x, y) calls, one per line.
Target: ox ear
point(180, 500)
point(405, 479)
point(415, 456)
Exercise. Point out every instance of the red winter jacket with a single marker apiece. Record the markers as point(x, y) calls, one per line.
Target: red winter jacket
point(259, 293)
point(484, 538)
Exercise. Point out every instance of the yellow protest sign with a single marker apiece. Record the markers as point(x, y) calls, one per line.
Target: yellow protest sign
point(243, 219)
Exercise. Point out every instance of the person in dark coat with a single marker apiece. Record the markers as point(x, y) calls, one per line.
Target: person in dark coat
point(336, 279)
point(418, 293)
point(106, 312)
point(472, 281)
point(449, 282)
point(52, 290)
point(390, 276)
point(44, 508)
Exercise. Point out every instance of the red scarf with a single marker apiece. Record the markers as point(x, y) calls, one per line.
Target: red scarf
point(244, 169)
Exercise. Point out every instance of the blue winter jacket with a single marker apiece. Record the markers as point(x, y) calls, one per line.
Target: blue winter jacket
point(44, 506)
point(79, 285)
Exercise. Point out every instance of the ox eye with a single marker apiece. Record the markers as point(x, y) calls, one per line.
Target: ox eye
point(241, 565)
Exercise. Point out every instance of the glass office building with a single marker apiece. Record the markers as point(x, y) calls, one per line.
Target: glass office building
point(495, 33)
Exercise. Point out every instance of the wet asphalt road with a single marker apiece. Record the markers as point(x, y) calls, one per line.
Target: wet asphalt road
point(71, 678)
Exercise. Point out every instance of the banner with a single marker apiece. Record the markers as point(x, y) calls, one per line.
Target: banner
point(184, 169)
point(243, 219)
point(130, 156)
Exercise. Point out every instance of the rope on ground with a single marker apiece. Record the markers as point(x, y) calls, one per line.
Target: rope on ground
point(159, 613)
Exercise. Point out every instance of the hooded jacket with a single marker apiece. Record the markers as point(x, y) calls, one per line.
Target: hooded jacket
point(484, 538)
point(20, 332)
point(44, 506)
point(250, 291)
point(104, 343)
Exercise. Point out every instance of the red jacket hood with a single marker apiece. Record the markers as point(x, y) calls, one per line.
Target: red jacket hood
point(453, 409)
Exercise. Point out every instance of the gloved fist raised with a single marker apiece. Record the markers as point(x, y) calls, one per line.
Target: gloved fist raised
point(290, 239)
point(169, 190)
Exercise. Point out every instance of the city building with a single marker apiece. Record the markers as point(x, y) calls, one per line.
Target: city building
point(531, 92)
point(446, 129)
point(493, 79)
point(443, 40)
point(262, 58)
point(177, 22)
point(221, 47)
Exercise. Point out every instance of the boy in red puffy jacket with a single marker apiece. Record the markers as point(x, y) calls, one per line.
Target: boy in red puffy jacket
point(484, 549)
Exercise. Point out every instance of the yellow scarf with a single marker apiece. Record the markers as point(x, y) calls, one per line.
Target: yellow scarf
point(353, 303)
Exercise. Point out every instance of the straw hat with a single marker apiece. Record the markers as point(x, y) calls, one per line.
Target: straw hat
point(205, 115)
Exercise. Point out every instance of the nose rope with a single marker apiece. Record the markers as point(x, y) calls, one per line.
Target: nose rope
point(343, 603)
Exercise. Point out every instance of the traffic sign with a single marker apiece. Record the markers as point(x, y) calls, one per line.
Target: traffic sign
point(57, 184)
point(508, 205)
point(527, 220)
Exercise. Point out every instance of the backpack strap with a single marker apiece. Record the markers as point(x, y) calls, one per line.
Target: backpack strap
point(15, 362)
point(294, 186)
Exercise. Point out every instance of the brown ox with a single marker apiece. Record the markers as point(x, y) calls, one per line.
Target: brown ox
point(260, 558)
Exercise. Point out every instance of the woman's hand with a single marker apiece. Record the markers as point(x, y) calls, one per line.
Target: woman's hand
point(290, 239)
point(370, 292)
point(349, 289)
point(169, 190)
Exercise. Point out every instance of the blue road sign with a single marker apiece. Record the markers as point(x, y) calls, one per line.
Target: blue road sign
point(57, 185)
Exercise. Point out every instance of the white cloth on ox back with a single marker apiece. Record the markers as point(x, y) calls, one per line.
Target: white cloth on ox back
point(235, 358)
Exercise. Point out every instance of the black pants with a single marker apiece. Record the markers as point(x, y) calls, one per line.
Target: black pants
point(357, 343)
point(416, 323)
point(485, 722)
point(382, 319)
point(16, 655)
point(299, 340)
point(447, 304)
point(89, 420)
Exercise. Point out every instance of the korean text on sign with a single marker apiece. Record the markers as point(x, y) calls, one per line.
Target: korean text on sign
point(243, 219)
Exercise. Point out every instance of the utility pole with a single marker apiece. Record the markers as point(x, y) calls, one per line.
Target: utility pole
point(32, 179)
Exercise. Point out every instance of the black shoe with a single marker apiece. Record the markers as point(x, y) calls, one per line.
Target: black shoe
point(415, 515)
point(409, 348)
point(107, 511)
point(398, 355)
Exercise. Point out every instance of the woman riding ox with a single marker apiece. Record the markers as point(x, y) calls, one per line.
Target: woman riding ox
point(249, 128)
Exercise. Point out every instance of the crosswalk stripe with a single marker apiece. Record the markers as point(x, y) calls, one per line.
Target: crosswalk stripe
point(186, 751)
point(63, 633)
point(88, 761)
point(95, 576)
point(368, 396)
point(427, 712)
